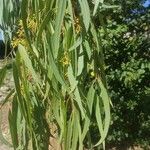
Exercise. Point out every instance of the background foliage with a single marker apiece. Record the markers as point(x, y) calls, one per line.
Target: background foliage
point(58, 74)
point(127, 57)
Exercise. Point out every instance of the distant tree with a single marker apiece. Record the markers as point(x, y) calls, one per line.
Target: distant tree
point(127, 55)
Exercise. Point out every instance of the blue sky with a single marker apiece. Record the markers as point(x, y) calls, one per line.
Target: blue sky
point(147, 3)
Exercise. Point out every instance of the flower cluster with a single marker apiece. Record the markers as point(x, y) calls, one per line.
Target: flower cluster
point(32, 24)
point(77, 25)
point(19, 38)
point(65, 59)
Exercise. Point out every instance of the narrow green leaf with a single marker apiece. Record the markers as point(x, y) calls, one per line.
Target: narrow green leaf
point(24, 15)
point(80, 61)
point(90, 100)
point(75, 134)
point(79, 131)
point(72, 80)
point(56, 71)
point(18, 88)
point(58, 25)
point(88, 49)
point(13, 122)
point(85, 12)
point(96, 5)
point(2, 74)
point(69, 135)
point(106, 102)
point(25, 57)
point(76, 44)
point(99, 119)
point(79, 102)
point(42, 26)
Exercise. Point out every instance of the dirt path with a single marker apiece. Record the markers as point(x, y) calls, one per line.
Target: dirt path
point(6, 87)
point(5, 128)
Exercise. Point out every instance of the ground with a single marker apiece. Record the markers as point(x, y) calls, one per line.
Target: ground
point(4, 90)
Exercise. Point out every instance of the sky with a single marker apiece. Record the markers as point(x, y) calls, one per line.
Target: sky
point(146, 4)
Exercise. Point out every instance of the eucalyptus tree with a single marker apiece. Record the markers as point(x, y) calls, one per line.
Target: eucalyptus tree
point(60, 85)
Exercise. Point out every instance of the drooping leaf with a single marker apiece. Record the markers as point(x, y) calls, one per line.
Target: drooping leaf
point(85, 12)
